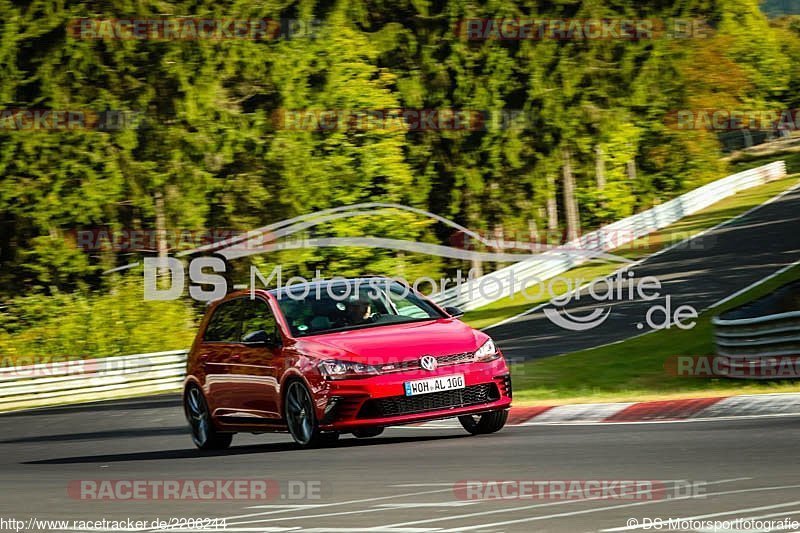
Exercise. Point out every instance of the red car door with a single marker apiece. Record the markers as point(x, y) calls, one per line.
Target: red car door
point(217, 347)
point(252, 367)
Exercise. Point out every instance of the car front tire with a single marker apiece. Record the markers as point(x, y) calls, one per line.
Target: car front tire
point(484, 423)
point(301, 419)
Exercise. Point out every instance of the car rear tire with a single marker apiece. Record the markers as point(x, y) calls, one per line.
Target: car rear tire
point(367, 433)
point(204, 435)
point(484, 423)
point(301, 417)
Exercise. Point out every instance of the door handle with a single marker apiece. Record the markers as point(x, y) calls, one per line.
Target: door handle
point(235, 357)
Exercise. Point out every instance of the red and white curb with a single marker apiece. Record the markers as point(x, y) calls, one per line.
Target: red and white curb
point(745, 406)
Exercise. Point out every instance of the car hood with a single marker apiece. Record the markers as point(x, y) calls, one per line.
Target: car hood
point(395, 342)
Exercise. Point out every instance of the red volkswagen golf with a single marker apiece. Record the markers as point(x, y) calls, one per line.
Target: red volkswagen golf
point(345, 356)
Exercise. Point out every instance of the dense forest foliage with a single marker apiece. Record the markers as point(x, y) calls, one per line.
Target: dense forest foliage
point(589, 143)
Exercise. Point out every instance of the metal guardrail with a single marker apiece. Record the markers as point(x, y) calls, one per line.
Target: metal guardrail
point(69, 382)
point(66, 382)
point(510, 279)
point(755, 340)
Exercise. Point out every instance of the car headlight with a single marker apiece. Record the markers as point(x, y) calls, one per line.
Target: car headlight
point(346, 370)
point(487, 352)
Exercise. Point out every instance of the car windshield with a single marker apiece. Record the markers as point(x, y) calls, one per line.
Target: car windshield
point(320, 308)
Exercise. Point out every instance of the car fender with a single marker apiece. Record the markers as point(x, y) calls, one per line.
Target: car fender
point(313, 381)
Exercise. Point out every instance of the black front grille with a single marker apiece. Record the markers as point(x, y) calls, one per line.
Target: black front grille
point(404, 405)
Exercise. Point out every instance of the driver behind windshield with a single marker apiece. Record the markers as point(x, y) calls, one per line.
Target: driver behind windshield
point(358, 310)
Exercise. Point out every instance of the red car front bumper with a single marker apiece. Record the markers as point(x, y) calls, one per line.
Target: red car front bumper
point(345, 405)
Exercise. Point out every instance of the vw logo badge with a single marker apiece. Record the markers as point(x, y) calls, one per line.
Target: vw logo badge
point(428, 362)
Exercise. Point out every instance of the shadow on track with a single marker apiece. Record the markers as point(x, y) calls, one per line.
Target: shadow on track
point(97, 435)
point(192, 453)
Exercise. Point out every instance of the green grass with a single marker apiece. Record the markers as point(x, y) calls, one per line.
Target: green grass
point(635, 369)
point(638, 249)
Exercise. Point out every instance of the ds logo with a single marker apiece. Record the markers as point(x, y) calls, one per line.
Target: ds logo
point(203, 271)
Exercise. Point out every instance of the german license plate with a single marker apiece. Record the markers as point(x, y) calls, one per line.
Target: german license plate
point(437, 384)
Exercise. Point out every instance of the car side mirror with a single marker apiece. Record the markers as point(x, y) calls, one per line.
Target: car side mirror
point(261, 337)
point(454, 312)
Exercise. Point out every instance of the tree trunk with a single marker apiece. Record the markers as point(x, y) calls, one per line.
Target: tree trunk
point(499, 238)
point(632, 170)
point(161, 231)
point(570, 202)
point(552, 209)
point(600, 168)
point(533, 235)
point(477, 268)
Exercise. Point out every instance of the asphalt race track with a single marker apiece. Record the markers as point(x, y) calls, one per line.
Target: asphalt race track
point(699, 273)
point(402, 481)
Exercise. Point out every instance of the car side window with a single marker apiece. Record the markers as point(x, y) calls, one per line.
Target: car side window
point(225, 324)
point(257, 321)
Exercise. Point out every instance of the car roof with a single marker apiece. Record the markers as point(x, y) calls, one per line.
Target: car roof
point(296, 286)
point(330, 281)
